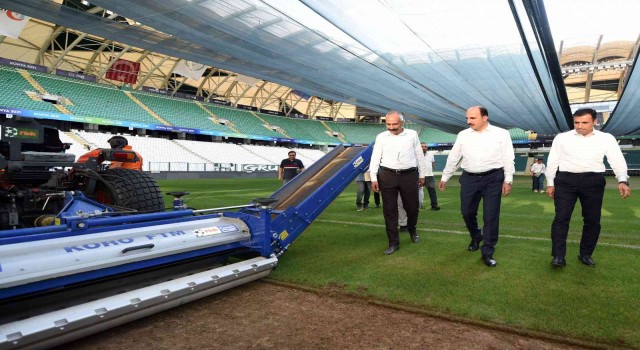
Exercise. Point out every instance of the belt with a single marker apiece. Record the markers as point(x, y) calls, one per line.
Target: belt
point(400, 171)
point(590, 173)
point(484, 173)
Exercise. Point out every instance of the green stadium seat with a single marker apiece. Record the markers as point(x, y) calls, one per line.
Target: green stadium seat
point(179, 112)
point(301, 129)
point(14, 93)
point(242, 120)
point(94, 100)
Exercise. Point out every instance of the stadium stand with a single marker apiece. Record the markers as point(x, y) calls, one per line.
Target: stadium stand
point(312, 154)
point(100, 100)
point(14, 94)
point(217, 152)
point(413, 126)
point(431, 135)
point(275, 155)
point(95, 100)
point(363, 133)
point(301, 129)
point(179, 112)
point(243, 120)
point(441, 161)
point(186, 155)
point(521, 162)
point(633, 162)
point(179, 157)
point(518, 134)
point(77, 147)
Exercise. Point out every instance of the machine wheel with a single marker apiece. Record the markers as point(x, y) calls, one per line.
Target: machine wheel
point(129, 189)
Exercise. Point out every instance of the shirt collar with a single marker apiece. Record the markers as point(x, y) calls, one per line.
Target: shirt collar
point(575, 133)
point(404, 131)
point(489, 128)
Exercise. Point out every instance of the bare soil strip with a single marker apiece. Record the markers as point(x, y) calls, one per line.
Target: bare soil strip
point(267, 315)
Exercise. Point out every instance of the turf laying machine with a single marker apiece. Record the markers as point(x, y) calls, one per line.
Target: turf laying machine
point(83, 249)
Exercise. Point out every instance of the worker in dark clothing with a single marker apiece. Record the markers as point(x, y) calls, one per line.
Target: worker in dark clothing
point(289, 168)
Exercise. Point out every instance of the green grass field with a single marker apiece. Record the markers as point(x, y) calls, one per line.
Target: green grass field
point(344, 248)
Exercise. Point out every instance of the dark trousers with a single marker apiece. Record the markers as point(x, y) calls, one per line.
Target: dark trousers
point(487, 188)
point(538, 182)
point(390, 185)
point(364, 193)
point(569, 187)
point(376, 198)
point(430, 184)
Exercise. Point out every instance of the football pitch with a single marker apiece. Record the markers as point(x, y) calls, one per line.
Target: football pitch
point(343, 249)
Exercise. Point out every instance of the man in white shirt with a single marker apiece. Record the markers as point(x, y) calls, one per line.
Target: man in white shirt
point(429, 183)
point(397, 167)
point(487, 158)
point(429, 180)
point(575, 170)
point(537, 175)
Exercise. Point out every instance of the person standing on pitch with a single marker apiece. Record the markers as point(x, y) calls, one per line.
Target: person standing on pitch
point(429, 183)
point(364, 185)
point(575, 170)
point(429, 180)
point(398, 167)
point(537, 175)
point(487, 158)
point(289, 168)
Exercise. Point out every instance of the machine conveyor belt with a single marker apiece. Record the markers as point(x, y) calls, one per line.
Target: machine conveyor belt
point(311, 179)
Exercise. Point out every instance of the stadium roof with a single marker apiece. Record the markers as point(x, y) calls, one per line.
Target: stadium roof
point(431, 60)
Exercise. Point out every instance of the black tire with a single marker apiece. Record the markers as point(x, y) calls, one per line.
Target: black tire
point(126, 189)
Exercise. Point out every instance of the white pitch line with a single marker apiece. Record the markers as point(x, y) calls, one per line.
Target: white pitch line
point(628, 246)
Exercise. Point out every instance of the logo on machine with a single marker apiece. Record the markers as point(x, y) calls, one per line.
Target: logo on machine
point(10, 132)
point(207, 231)
point(20, 133)
point(214, 230)
point(357, 162)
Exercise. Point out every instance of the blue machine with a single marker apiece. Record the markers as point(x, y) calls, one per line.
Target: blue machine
point(93, 269)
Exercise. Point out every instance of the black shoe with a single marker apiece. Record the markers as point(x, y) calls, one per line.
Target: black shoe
point(489, 260)
point(377, 205)
point(392, 249)
point(435, 208)
point(558, 261)
point(474, 245)
point(403, 229)
point(414, 237)
point(366, 207)
point(586, 259)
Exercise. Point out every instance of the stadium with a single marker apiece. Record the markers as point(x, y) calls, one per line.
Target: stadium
point(214, 94)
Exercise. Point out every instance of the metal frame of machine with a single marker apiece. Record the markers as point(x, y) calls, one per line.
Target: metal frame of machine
point(93, 245)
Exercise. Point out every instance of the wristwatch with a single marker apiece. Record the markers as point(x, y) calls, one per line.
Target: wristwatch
point(508, 182)
point(624, 182)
